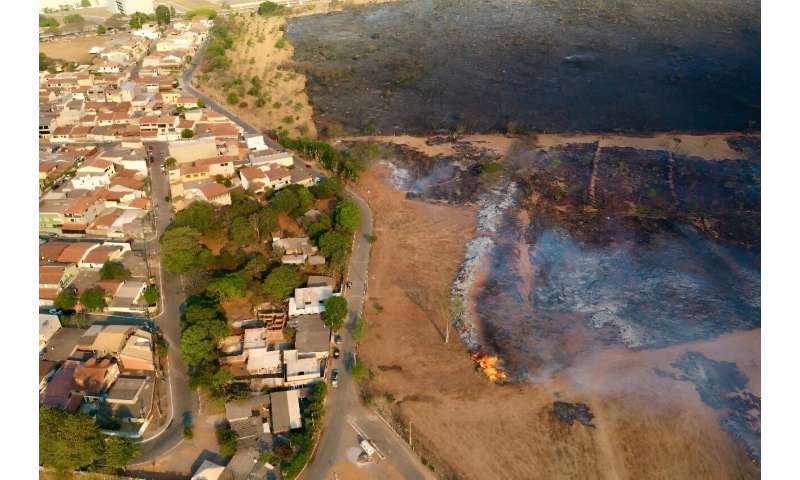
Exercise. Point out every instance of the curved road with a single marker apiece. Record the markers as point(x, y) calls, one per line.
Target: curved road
point(343, 403)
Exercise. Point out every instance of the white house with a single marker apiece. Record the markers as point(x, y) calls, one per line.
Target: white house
point(309, 300)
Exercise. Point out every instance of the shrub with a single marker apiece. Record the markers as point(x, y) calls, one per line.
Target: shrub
point(233, 99)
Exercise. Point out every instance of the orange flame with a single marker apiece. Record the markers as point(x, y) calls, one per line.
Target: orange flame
point(488, 364)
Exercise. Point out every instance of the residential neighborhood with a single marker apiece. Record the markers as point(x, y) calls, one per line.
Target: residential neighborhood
point(173, 238)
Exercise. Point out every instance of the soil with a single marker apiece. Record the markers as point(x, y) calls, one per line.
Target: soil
point(254, 54)
point(475, 429)
point(633, 66)
point(75, 49)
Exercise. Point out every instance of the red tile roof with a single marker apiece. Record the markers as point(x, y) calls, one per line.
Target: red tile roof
point(213, 190)
point(75, 252)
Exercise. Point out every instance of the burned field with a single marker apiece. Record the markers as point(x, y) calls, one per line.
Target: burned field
point(575, 65)
point(722, 387)
point(582, 247)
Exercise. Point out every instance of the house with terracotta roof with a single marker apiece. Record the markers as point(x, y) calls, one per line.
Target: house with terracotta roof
point(50, 251)
point(79, 213)
point(75, 252)
point(67, 388)
point(137, 354)
point(213, 193)
point(253, 179)
point(98, 257)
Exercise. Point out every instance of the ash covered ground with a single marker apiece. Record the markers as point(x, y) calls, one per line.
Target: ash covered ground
point(567, 65)
point(583, 247)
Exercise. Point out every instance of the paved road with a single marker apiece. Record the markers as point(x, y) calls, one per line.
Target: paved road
point(186, 85)
point(183, 399)
point(343, 404)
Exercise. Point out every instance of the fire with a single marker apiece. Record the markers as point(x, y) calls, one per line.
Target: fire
point(488, 364)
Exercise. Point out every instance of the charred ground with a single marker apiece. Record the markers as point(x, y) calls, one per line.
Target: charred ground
point(576, 65)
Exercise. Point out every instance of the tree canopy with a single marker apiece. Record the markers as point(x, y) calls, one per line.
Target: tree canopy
point(151, 295)
point(101, 29)
point(113, 270)
point(285, 201)
point(347, 216)
point(187, 133)
point(327, 187)
point(269, 8)
point(281, 281)
point(66, 299)
point(203, 325)
point(70, 441)
point(241, 232)
point(255, 267)
point(182, 252)
point(199, 215)
point(334, 244)
point(93, 299)
point(335, 312)
point(163, 15)
point(230, 285)
point(46, 22)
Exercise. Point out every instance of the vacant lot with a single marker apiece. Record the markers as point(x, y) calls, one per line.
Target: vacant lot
point(646, 425)
point(259, 52)
point(74, 49)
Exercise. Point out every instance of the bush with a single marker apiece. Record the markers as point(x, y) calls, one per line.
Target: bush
point(267, 9)
point(233, 99)
point(359, 329)
point(226, 438)
point(281, 43)
point(188, 432)
point(490, 168)
point(360, 371)
point(187, 133)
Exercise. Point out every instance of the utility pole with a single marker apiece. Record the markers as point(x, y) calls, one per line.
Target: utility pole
point(409, 434)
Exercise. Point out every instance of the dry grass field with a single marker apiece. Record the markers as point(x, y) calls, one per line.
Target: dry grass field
point(74, 49)
point(259, 52)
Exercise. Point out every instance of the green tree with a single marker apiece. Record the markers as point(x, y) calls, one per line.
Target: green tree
point(226, 438)
point(47, 22)
point(187, 133)
point(281, 281)
point(201, 216)
point(284, 201)
point(112, 270)
point(163, 15)
point(327, 187)
point(305, 199)
point(201, 104)
point(86, 3)
point(138, 19)
point(151, 295)
point(227, 286)
point(335, 311)
point(68, 441)
point(170, 162)
point(256, 267)
point(347, 216)
point(101, 30)
point(268, 8)
point(334, 244)
point(172, 11)
point(232, 99)
point(241, 232)
point(198, 345)
point(182, 252)
point(73, 19)
point(66, 299)
point(93, 299)
point(267, 221)
point(119, 451)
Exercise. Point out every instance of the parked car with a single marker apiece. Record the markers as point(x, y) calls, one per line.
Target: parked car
point(335, 378)
point(349, 284)
point(336, 353)
point(337, 339)
point(55, 311)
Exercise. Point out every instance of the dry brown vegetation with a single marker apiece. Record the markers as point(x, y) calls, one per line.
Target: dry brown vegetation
point(259, 52)
point(467, 427)
point(75, 49)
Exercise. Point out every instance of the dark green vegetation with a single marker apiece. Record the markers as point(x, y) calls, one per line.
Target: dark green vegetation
point(112, 270)
point(268, 9)
point(223, 34)
point(335, 312)
point(345, 163)
point(201, 12)
point(246, 267)
point(93, 299)
point(72, 441)
point(46, 22)
point(138, 19)
point(163, 15)
point(295, 454)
